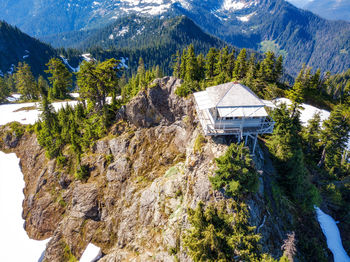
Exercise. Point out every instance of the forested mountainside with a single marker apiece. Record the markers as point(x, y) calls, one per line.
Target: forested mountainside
point(155, 41)
point(16, 46)
point(299, 35)
point(329, 9)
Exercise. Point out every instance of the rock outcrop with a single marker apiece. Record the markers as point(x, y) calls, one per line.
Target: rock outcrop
point(133, 206)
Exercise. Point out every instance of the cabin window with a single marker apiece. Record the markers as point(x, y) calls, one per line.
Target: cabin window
point(229, 118)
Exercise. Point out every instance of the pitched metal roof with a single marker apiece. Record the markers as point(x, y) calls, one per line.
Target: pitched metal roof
point(203, 101)
point(242, 112)
point(227, 95)
point(233, 95)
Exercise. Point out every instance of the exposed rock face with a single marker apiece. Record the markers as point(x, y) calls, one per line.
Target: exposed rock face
point(158, 105)
point(133, 207)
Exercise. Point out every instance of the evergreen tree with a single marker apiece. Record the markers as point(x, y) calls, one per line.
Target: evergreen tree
point(60, 79)
point(176, 64)
point(311, 138)
point(4, 90)
point(183, 64)
point(268, 67)
point(97, 80)
point(230, 65)
point(296, 94)
point(334, 138)
point(25, 82)
point(200, 67)
point(10, 82)
point(240, 69)
point(191, 65)
point(278, 68)
point(216, 235)
point(211, 59)
point(235, 172)
point(285, 146)
point(43, 86)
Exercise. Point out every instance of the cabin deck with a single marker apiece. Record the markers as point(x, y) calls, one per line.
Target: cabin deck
point(238, 128)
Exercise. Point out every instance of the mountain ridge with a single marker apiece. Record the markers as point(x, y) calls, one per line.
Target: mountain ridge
point(16, 46)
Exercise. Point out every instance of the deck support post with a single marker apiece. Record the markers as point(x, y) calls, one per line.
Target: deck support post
point(246, 140)
point(255, 139)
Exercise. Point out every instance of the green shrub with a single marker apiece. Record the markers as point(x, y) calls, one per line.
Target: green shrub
point(17, 128)
point(218, 235)
point(82, 173)
point(198, 144)
point(109, 159)
point(61, 160)
point(30, 129)
point(235, 173)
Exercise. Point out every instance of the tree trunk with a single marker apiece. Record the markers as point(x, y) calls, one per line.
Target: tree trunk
point(323, 156)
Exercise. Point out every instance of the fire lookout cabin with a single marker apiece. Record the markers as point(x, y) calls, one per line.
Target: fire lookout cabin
point(233, 109)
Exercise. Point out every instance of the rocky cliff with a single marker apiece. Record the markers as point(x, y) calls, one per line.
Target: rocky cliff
point(143, 177)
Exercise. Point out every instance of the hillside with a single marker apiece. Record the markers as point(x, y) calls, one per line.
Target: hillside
point(152, 39)
point(276, 25)
point(16, 46)
point(142, 178)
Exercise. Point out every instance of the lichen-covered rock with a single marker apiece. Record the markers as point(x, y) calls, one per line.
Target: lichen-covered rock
point(157, 105)
point(85, 202)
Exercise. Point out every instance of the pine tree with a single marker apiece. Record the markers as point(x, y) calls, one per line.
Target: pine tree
point(230, 65)
point(296, 95)
point(217, 235)
point(240, 69)
point(268, 67)
point(191, 65)
point(43, 86)
point(60, 79)
point(97, 80)
point(10, 82)
point(4, 90)
point(278, 68)
point(334, 138)
point(211, 59)
point(25, 82)
point(311, 138)
point(285, 145)
point(176, 64)
point(183, 64)
point(200, 67)
point(235, 172)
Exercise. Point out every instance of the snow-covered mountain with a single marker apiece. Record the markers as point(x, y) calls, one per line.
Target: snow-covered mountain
point(40, 18)
point(330, 9)
point(276, 25)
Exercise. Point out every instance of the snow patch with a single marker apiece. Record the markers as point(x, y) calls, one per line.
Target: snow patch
point(11, 69)
point(65, 61)
point(331, 232)
point(307, 112)
point(8, 113)
point(15, 243)
point(139, 31)
point(232, 5)
point(87, 57)
point(123, 31)
point(123, 62)
point(91, 253)
point(245, 18)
